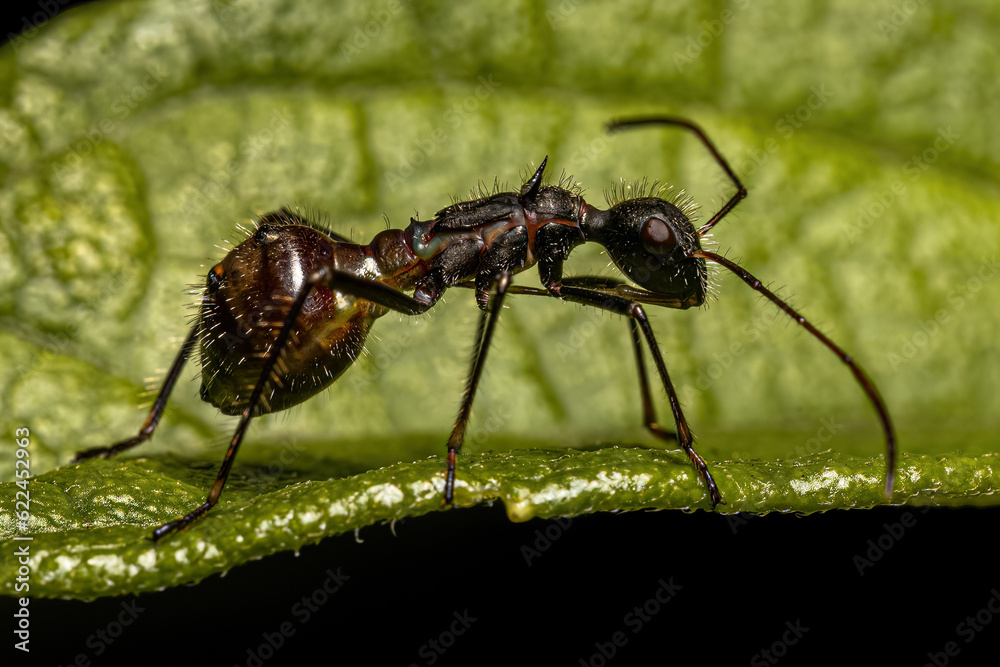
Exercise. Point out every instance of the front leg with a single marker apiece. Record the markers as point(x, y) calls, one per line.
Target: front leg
point(508, 253)
point(637, 317)
point(606, 294)
point(487, 324)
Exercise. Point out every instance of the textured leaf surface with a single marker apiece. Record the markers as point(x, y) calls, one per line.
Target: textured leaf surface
point(136, 136)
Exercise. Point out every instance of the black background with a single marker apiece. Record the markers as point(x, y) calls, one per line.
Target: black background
point(741, 581)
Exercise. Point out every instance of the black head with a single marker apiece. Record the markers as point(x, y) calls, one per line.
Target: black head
point(650, 240)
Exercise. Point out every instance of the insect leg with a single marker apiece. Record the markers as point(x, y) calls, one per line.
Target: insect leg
point(637, 314)
point(156, 412)
point(741, 191)
point(487, 324)
point(648, 411)
point(227, 463)
point(341, 281)
point(602, 295)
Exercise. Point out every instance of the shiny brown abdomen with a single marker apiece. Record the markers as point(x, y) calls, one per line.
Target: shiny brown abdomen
point(247, 301)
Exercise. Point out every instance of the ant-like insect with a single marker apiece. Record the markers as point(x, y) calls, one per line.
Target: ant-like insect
point(288, 310)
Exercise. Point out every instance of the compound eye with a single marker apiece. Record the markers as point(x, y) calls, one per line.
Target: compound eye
point(658, 237)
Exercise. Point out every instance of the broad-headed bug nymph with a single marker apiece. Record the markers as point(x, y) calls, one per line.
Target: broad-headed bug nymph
point(288, 310)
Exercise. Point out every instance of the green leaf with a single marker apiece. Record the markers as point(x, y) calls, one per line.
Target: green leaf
point(135, 136)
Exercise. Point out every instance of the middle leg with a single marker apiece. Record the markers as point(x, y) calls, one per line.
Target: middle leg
point(487, 324)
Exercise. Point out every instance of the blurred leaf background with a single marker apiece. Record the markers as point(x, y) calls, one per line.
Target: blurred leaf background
point(135, 136)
